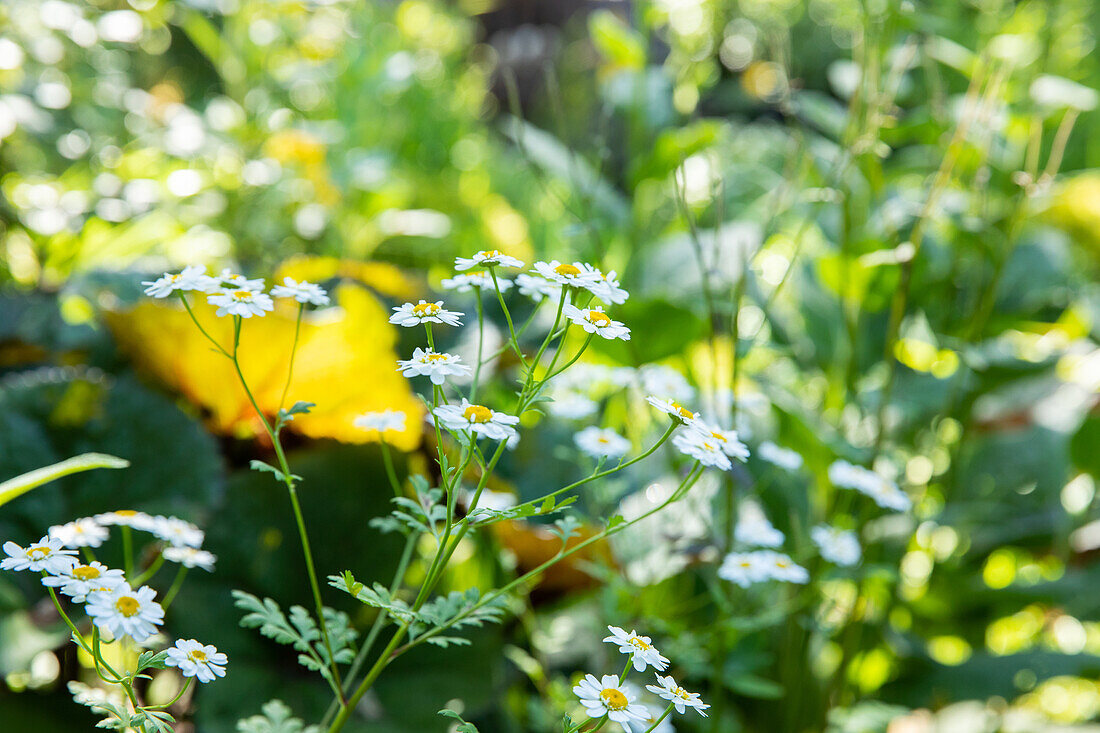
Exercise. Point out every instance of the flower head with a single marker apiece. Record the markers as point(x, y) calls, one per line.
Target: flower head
point(190, 557)
point(601, 442)
point(381, 422)
point(478, 419)
point(177, 532)
point(229, 280)
point(606, 696)
point(594, 320)
point(837, 545)
point(80, 580)
point(680, 698)
point(661, 379)
point(486, 258)
point(433, 364)
point(241, 302)
point(468, 281)
point(537, 288)
point(127, 518)
point(191, 278)
point(753, 528)
point(704, 449)
point(746, 568)
point(570, 405)
point(726, 440)
point(576, 275)
point(124, 611)
point(303, 292)
point(204, 663)
point(778, 456)
point(414, 314)
point(607, 287)
point(780, 567)
point(885, 492)
point(84, 532)
point(675, 410)
point(640, 648)
point(46, 555)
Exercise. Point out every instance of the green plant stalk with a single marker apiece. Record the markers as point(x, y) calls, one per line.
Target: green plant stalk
point(150, 571)
point(480, 343)
point(659, 720)
point(177, 583)
point(127, 551)
point(513, 338)
point(293, 353)
point(183, 689)
point(387, 462)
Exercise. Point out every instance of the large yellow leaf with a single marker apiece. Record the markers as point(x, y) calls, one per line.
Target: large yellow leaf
point(346, 364)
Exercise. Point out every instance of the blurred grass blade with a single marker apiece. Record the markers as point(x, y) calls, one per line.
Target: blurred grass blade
point(19, 485)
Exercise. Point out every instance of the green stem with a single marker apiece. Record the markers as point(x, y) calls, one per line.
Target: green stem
point(127, 551)
point(514, 340)
point(219, 347)
point(183, 689)
point(658, 721)
point(150, 571)
point(293, 353)
point(387, 461)
point(177, 583)
point(480, 344)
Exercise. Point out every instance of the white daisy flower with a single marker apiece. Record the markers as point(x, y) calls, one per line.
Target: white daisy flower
point(191, 278)
point(232, 280)
point(661, 379)
point(190, 557)
point(204, 663)
point(125, 612)
point(127, 518)
point(838, 546)
point(743, 569)
point(177, 532)
point(486, 258)
point(479, 419)
point(411, 314)
point(382, 422)
point(753, 528)
point(601, 442)
point(48, 555)
point(466, 282)
point(675, 410)
point(84, 532)
point(780, 567)
point(594, 320)
point(706, 450)
point(640, 648)
point(537, 288)
point(303, 292)
point(433, 364)
point(79, 581)
point(241, 302)
point(727, 440)
point(785, 458)
point(885, 492)
point(607, 286)
point(680, 698)
point(576, 275)
point(570, 405)
point(606, 696)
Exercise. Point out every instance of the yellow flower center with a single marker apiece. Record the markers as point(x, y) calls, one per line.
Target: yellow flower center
point(602, 439)
point(719, 436)
point(682, 411)
point(436, 357)
point(39, 551)
point(425, 309)
point(567, 270)
point(488, 253)
point(783, 564)
point(640, 644)
point(126, 513)
point(613, 699)
point(746, 564)
point(197, 655)
point(85, 572)
point(681, 693)
point(598, 319)
point(478, 414)
point(242, 295)
point(175, 278)
point(128, 606)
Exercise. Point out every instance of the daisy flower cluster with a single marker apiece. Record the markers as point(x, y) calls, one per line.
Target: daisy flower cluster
point(120, 607)
point(870, 483)
point(234, 294)
point(618, 700)
point(708, 444)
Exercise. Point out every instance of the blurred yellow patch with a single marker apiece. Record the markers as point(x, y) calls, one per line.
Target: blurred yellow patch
point(922, 356)
point(1076, 208)
point(345, 364)
point(385, 278)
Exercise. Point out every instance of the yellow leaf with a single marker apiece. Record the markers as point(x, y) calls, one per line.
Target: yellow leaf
point(381, 276)
point(346, 364)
